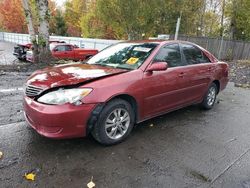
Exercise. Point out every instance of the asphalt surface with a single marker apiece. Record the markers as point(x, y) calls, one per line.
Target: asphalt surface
point(185, 148)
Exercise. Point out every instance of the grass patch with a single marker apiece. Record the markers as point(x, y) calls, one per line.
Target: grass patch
point(243, 63)
point(200, 176)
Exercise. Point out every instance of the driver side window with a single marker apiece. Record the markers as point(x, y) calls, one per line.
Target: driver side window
point(60, 48)
point(68, 48)
point(170, 54)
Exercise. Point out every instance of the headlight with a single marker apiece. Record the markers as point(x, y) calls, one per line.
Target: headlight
point(62, 96)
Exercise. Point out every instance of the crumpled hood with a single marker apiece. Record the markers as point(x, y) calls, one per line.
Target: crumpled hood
point(69, 74)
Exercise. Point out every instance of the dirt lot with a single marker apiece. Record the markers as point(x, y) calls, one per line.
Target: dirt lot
point(6, 56)
point(240, 73)
point(185, 148)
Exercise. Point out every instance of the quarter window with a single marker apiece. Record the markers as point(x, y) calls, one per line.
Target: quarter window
point(60, 48)
point(170, 54)
point(194, 55)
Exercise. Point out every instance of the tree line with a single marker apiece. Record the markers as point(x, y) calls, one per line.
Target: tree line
point(124, 19)
point(135, 19)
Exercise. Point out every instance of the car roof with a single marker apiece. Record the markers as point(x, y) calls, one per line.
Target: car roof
point(60, 44)
point(154, 41)
point(157, 41)
point(143, 41)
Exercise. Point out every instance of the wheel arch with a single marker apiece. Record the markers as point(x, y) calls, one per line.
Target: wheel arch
point(217, 82)
point(98, 109)
point(131, 100)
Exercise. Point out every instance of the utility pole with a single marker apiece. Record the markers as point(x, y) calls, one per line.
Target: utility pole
point(222, 18)
point(222, 29)
point(200, 31)
point(177, 27)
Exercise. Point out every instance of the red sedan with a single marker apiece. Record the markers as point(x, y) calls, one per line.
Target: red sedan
point(122, 85)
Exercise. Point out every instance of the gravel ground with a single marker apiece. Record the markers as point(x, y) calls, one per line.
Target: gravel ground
point(11, 102)
point(6, 56)
point(9, 63)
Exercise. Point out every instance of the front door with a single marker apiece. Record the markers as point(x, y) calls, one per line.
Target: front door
point(163, 90)
point(63, 52)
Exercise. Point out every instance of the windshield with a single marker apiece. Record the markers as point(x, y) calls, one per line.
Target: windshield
point(52, 45)
point(124, 55)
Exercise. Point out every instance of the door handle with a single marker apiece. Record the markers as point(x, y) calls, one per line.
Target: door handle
point(210, 69)
point(182, 74)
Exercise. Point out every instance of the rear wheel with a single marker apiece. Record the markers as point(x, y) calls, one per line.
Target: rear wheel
point(114, 123)
point(210, 97)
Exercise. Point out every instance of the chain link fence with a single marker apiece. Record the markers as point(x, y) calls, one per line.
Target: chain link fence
point(98, 44)
point(223, 49)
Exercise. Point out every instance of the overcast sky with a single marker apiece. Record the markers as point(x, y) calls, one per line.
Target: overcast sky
point(59, 2)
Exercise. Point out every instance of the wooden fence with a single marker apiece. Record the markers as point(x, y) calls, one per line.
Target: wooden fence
point(222, 49)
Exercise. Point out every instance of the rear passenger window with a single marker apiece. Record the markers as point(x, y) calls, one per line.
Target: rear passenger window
point(194, 55)
point(170, 54)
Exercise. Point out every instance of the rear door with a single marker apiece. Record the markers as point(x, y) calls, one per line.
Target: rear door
point(70, 52)
point(199, 71)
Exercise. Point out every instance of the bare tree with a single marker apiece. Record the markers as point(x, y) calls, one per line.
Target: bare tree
point(41, 51)
point(233, 28)
point(43, 30)
point(222, 18)
point(31, 29)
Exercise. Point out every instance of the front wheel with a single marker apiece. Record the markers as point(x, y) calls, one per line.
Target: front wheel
point(114, 123)
point(210, 97)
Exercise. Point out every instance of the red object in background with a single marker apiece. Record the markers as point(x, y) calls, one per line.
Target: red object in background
point(29, 45)
point(71, 52)
point(20, 50)
point(67, 52)
point(152, 88)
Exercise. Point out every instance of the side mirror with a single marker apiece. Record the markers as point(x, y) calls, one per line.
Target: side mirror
point(55, 50)
point(158, 66)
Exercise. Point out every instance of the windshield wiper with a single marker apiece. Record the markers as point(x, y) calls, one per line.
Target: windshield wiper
point(105, 65)
point(124, 68)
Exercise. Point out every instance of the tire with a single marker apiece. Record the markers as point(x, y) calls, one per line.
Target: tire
point(114, 123)
point(21, 59)
point(88, 57)
point(210, 97)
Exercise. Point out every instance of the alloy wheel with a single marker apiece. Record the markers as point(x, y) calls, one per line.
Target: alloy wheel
point(211, 96)
point(117, 123)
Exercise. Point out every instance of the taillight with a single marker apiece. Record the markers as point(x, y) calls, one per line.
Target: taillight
point(226, 71)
